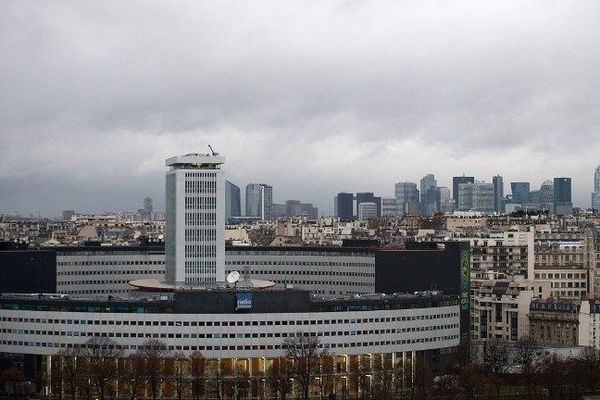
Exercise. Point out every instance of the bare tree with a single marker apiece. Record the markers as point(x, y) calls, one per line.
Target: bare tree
point(56, 377)
point(279, 377)
point(197, 372)
point(237, 383)
point(305, 352)
point(102, 354)
point(589, 367)
point(135, 374)
point(362, 376)
point(469, 379)
point(154, 352)
point(496, 360)
point(387, 380)
point(181, 374)
point(216, 377)
point(71, 369)
point(529, 358)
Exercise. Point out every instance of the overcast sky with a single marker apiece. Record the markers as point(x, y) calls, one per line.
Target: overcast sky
point(311, 97)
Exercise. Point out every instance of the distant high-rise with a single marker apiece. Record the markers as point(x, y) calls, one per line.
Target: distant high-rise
point(443, 200)
point(596, 193)
point(67, 215)
point(407, 197)
point(344, 206)
point(428, 195)
point(389, 206)
point(562, 196)
point(368, 197)
point(545, 200)
point(293, 208)
point(278, 211)
point(195, 219)
point(266, 201)
point(498, 183)
point(259, 200)
point(253, 196)
point(233, 205)
point(309, 211)
point(478, 196)
point(367, 210)
point(520, 192)
point(457, 180)
point(148, 208)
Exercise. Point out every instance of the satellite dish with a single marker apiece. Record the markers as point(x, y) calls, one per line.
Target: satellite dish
point(233, 277)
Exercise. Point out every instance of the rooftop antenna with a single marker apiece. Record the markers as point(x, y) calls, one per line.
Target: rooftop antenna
point(212, 151)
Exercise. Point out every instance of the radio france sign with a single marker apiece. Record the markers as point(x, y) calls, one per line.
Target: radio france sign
point(243, 301)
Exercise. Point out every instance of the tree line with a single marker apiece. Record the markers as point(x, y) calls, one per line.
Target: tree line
point(100, 370)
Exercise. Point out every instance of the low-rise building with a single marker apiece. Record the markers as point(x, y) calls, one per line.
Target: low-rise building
point(565, 322)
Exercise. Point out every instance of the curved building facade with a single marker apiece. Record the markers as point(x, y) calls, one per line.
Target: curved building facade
point(107, 270)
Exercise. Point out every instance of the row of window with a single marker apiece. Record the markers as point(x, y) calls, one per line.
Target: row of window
point(238, 335)
point(562, 275)
point(317, 273)
point(303, 263)
point(230, 323)
point(247, 347)
point(86, 263)
point(113, 272)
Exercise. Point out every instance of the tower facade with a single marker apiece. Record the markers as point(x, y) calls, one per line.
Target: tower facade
point(428, 195)
point(195, 219)
point(498, 182)
point(407, 197)
point(457, 180)
point(596, 192)
point(563, 204)
point(520, 192)
point(344, 206)
point(259, 200)
point(232, 200)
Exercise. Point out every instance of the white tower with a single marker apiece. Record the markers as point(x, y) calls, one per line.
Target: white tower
point(195, 220)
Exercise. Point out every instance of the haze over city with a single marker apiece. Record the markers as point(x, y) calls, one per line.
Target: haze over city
point(312, 99)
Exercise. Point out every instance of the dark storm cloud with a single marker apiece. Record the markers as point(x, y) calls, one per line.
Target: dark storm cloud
point(313, 98)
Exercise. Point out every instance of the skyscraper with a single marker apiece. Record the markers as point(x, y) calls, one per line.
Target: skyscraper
point(259, 200)
point(428, 195)
point(443, 200)
point(596, 193)
point(293, 208)
point(266, 201)
point(546, 196)
point(233, 206)
point(478, 196)
point(457, 180)
point(344, 206)
point(195, 219)
point(253, 197)
point(368, 197)
point(562, 196)
point(389, 207)
point(407, 197)
point(520, 192)
point(498, 183)
point(367, 210)
point(148, 209)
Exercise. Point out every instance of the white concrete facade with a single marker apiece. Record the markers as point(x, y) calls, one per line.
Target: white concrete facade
point(234, 335)
point(107, 271)
point(195, 219)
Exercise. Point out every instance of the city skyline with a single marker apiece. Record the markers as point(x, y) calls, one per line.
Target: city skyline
point(311, 99)
point(325, 211)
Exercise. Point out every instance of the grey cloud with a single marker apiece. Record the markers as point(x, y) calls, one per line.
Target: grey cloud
point(313, 98)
